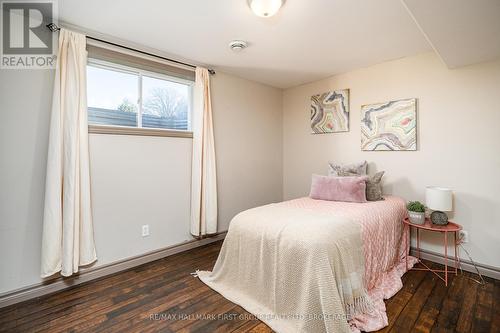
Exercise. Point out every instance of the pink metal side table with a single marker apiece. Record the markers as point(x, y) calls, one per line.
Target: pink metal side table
point(428, 225)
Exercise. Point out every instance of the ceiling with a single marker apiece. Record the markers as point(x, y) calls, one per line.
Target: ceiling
point(306, 41)
point(462, 32)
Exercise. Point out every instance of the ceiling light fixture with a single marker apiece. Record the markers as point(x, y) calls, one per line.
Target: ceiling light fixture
point(265, 8)
point(238, 45)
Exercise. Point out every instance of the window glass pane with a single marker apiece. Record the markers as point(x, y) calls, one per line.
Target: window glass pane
point(112, 97)
point(165, 104)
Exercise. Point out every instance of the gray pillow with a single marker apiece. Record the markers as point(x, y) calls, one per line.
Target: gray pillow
point(373, 185)
point(358, 169)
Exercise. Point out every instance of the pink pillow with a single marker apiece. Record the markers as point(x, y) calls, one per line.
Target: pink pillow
point(350, 189)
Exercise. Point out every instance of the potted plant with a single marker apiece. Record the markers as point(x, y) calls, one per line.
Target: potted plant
point(416, 212)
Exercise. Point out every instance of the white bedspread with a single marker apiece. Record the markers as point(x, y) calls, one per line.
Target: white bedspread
point(296, 269)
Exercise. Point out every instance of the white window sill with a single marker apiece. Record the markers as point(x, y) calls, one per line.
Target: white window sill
point(124, 130)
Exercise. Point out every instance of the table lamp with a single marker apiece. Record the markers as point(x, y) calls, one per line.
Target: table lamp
point(439, 199)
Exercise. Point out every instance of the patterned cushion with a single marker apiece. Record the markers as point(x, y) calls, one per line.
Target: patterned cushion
point(359, 169)
point(374, 187)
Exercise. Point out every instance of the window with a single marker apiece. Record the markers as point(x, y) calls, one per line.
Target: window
point(123, 96)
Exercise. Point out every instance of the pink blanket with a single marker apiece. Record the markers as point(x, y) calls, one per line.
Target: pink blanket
point(384, 249)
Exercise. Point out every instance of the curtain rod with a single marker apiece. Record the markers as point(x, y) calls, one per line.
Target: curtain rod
point(54, 28)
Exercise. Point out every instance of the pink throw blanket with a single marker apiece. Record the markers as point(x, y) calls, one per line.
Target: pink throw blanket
point(384, 249)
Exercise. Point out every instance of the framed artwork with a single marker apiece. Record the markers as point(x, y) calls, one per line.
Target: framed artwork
point(330, 112)
point(389, 126)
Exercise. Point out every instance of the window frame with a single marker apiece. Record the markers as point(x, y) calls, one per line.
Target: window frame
point(139, 130)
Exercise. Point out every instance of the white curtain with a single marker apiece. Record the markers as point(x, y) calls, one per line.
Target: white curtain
point(68, 237)
point(204, 180)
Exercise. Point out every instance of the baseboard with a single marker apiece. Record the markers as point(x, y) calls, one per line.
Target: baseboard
point(490, 271)
point(88, 274)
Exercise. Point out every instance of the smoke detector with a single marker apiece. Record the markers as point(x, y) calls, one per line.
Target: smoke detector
point(238, 45)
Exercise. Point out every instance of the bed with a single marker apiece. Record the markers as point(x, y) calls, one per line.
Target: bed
point(308, 265)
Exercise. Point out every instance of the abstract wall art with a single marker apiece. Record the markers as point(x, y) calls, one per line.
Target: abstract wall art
point(389, 126)
point(330, 112)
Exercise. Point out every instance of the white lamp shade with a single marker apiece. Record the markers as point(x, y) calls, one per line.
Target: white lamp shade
point(438, 198)
point(265, 8)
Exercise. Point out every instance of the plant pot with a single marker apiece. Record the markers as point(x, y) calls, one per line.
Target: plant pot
point(416, 217)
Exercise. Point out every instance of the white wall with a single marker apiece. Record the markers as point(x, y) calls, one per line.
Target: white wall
point(248, 141)
point(139, 180)
point(458, 140)
point(135, 180)
point(25, 97)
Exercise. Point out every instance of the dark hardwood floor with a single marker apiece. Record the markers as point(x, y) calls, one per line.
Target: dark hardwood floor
point(162, 296)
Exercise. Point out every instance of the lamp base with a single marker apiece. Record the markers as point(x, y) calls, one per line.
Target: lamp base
point(439, 218)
